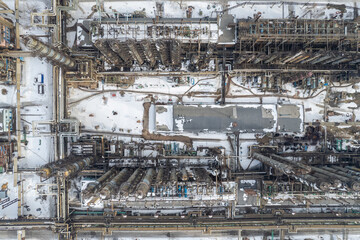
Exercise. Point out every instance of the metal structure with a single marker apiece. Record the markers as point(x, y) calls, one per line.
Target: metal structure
point(174, 180)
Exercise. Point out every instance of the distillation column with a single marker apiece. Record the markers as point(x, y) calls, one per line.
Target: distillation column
point(43, 50)
point(125, 187)
point(111, 187)
point(144, 185)
point(92, 187)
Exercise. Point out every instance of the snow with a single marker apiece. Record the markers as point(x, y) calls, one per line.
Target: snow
point(11, 211)
point(164, 118)
point(110, 112)
point(37, 205)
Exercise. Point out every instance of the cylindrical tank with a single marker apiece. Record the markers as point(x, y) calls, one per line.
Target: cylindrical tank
point(49, 53)
point(144, 186)
point(111, 187)
point(124, 188)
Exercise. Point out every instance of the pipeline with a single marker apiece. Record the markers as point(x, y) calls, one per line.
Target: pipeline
point(125, 187)
point(144, 186)
point(95, 186)
point(43, 50)
point(111, 187)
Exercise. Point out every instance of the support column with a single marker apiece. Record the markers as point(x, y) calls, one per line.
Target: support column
point(17, 26)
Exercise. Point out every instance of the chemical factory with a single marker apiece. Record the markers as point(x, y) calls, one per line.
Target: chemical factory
point(183, 119)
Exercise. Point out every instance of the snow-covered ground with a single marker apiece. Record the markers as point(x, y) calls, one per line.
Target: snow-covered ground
point(36, 151)
point(110, 112)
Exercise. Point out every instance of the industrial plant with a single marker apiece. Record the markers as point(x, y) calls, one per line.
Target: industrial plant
point(179, 119)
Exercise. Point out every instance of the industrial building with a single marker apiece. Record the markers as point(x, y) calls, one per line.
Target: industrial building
point(6, 120)
point(179, 119)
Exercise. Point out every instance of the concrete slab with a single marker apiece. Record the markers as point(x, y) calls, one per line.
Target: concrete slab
point(289, 119)
point(194, 118)
point(227, 34)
